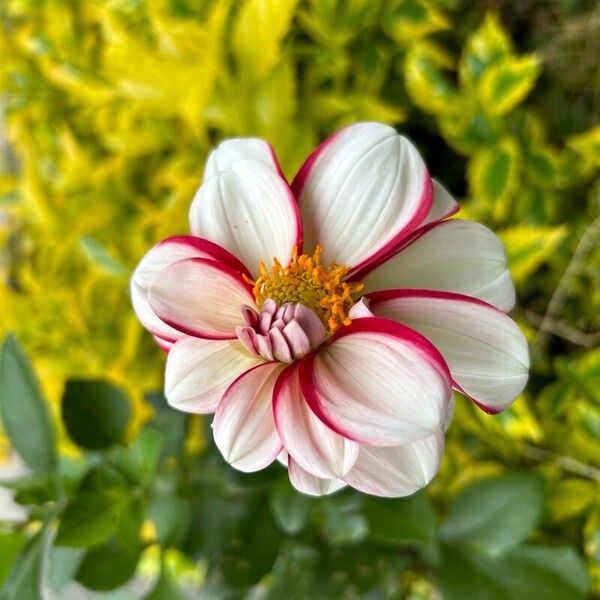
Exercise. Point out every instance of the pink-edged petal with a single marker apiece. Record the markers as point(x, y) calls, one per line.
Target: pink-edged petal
point(199, 371)
point(398, 470)
point(297, 339)
point(311, 325)
point(250, 210)
point(282, 458)
point(362, 190)
point(264, 346)
point(281, 349)
point(233, 150)
point(248, 337)
point(164, 345)
point(455, 256)
point(200, 297)
point(309, 484)
point(314, 446)
point(485, 350)
point(443, 205)
point(360, 310)
point(243, 427)
point(250, 316)
point(161, 256)
point(378, 383)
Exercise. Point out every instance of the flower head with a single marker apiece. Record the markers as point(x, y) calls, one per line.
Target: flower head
point(325, 323)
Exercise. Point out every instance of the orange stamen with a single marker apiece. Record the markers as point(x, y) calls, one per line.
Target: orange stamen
point(306, 281)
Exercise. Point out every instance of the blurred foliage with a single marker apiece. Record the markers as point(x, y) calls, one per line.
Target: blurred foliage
point(110, 108)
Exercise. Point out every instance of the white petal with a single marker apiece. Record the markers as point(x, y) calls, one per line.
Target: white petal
point(360, 192)
point(378, 383)
point(243, 426)
point(233, 150)
point(443, 204)
point(161, 256)
point(485, 350)
point(398, 470)
point(314, 446)
point(360, 310)
point(200, 297)
point(282, 458)
point(455, 256)
point(250, 210)
point(199, 371)
point(164, 345)
point(307, 483)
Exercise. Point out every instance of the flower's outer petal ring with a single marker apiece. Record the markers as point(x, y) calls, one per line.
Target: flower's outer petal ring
point(235, 149)
point(361, 191)
point(456, 256)
point(199, 371)
point(316, 448)
point(443, 205)
point(397, 471)
point(158, 258)
point(378, 383)
point(200, 297)
point(243, 426)
point(485, 350)
point(309, 484)
point(250, 210)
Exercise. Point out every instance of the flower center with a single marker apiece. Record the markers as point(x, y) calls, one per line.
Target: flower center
point(306, 281)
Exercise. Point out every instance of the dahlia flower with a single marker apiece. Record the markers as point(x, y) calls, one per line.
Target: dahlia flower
point(325, 323)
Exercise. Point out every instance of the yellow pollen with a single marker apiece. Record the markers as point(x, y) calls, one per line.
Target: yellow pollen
point(306, 281)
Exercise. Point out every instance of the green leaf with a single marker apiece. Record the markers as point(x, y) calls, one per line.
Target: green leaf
point(493, 174)
point(561, 569)
point(25, 416)
point(404, 522)
point(504, 85)
point(496, 513)
point(63, 563)
point(401, 521)
point(267, 20)
point(89, 519)
point(171, 517)
point(166, 588)
point(345, 529)
point(461, 577)
point(530, 246)
point(587, 145)
point(428, 86)
point(10, 545)
point(23, 582)
point(521, 574)
point(171, 424)
point(32, 489)
point(141, 459)
point(97, 254)
point(467, 131)
point(487, 46)
point(344, 524)
point(107, 567)
point(290, 509)
point(543, 165)
point(95, 413)
point(408, 20)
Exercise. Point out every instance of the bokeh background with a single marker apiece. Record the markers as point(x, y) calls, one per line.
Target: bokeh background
point(108, 110)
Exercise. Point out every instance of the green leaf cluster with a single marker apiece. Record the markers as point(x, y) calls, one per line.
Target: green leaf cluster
point(109, 110)
point(102, 517)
